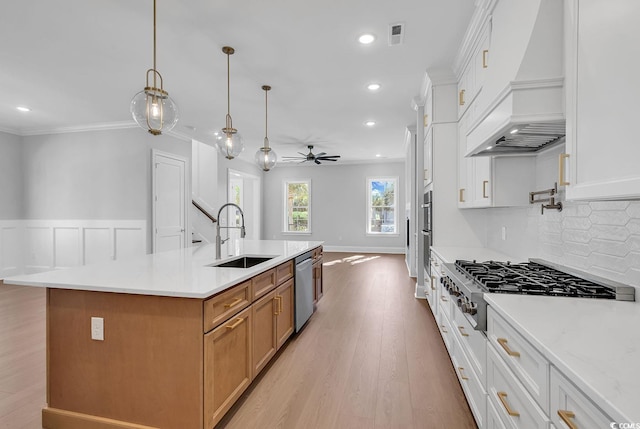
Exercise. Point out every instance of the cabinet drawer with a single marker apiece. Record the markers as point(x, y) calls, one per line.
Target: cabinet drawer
point(528, 365)
point(445, 330)
point(316, 254)
point(221, 307)
point(284, 272)
point(516, 408)
point(474, 344)
point(568, 403)
point(263, 283)
point(493, 419)
point(444, 300)
point(473, 390)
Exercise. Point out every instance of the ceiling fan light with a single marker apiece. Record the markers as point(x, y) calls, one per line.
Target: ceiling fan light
point(266, 158)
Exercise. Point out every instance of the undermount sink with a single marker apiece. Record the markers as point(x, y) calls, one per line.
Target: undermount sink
point(242, 262)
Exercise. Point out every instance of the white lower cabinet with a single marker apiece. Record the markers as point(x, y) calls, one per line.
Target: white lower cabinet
point(493, 419)
point(471, 385)
point(570, 407)
point(516, 408)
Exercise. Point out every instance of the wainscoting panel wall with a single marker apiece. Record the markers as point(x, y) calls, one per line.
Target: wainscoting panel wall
point(30, 246)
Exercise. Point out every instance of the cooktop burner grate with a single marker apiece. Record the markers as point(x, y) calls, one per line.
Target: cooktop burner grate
point(531, 278)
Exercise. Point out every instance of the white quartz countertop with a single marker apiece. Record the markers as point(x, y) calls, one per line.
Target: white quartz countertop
point(594, 343)
point(180, 273)
point(481, 254)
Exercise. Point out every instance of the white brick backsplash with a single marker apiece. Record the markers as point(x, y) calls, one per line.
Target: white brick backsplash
point(609, 205)
point(634, 226)
point(581, 249)
point(576, 235)
point(615, 264)
point(609, 232)
point(576, 223)
point(609, 247)
point(634, 209)
point(609, 217)
point(634, 244)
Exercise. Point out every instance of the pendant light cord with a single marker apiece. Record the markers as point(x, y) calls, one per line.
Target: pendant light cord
point(266, 107)
point(154, 45)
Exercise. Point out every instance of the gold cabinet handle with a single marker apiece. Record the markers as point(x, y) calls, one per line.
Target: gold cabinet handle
point(503, 398)
point(443, 329)
point(561, 173)
point(277, 310)
point(461, 196)
point(461, 97)
point(461, 329)
point(432, 280)
point(237, 323)
point(567, 417)
point(503, 342)
point(279, 304)
point(444, 299)
point(484, 189)
point(484, 58)
point(462, 376)
point(233, 303)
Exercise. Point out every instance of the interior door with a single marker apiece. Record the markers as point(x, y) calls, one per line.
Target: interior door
point(169, 204)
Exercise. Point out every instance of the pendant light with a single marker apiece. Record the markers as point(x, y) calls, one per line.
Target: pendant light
point(152, 108)
point(230, 145)
point(266, 157)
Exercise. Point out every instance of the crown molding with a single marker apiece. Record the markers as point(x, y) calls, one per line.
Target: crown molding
point(10, 131)
point(80, 128)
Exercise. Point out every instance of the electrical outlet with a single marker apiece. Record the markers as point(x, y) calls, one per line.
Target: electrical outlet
point(504, 233)
point(97, 328)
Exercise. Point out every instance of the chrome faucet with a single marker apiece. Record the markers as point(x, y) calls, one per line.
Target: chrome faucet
point(219, 240)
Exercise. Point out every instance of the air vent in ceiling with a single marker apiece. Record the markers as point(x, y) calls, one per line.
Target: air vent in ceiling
point(396, 34)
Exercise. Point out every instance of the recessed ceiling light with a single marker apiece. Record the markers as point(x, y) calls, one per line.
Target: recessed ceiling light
point(366, 39)
point(23, 109)
point(515, 130)
point(378, 155)
point(370, 123)
point(489, 147)
point(373, 86)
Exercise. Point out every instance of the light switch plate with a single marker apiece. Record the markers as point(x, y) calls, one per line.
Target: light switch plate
point(97, 328)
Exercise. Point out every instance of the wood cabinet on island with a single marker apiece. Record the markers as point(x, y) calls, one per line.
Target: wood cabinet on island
point(181, 340)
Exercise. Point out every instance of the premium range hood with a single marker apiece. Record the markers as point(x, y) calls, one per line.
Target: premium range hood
point(527, 114)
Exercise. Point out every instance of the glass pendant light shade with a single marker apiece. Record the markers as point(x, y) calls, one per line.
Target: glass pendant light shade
point(154, 110)
point(266, 158)
point(229, 145)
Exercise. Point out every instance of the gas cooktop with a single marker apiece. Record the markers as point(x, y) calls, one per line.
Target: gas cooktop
point(538, 277)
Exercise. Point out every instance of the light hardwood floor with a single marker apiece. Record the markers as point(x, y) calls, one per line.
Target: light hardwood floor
point(370, 357)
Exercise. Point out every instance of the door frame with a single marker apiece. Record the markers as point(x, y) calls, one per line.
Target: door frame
point(257, 197)
point(186, 192)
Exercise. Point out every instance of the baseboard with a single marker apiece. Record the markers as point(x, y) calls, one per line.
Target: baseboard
point(356, 249)
point(53, 418)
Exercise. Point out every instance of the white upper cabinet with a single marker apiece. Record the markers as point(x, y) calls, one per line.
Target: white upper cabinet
point(477, 63)
point(602, 63)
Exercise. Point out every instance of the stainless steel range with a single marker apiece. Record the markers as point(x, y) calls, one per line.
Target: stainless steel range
point(468, 281)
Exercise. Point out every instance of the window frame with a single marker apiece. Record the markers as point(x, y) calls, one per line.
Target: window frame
point(369, 206)
point(285, 217)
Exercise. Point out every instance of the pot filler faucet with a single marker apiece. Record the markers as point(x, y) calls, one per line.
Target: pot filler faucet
point(219, 240)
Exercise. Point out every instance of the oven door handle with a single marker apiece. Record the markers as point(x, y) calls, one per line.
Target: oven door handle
point(425, 233)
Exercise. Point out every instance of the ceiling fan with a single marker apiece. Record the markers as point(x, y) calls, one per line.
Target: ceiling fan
point(322, 156)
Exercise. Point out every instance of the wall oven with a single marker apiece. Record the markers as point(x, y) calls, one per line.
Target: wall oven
point(427, 232)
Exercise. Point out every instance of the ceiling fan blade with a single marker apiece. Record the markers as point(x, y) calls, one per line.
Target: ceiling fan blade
point(329, 157)
point(321, 154)
point(317, 161)
point(303, 154)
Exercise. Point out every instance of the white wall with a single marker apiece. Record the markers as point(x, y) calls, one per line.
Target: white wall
point(338, 205)
point(11, 178)
point(93, 175)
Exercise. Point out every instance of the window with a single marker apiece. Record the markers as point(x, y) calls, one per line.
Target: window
point(382, 204)
point(297, 206)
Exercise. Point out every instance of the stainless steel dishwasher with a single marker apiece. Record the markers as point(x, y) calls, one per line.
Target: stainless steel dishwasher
point(303, 289)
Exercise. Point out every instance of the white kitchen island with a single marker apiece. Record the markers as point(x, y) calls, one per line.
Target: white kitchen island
point(180, 340)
